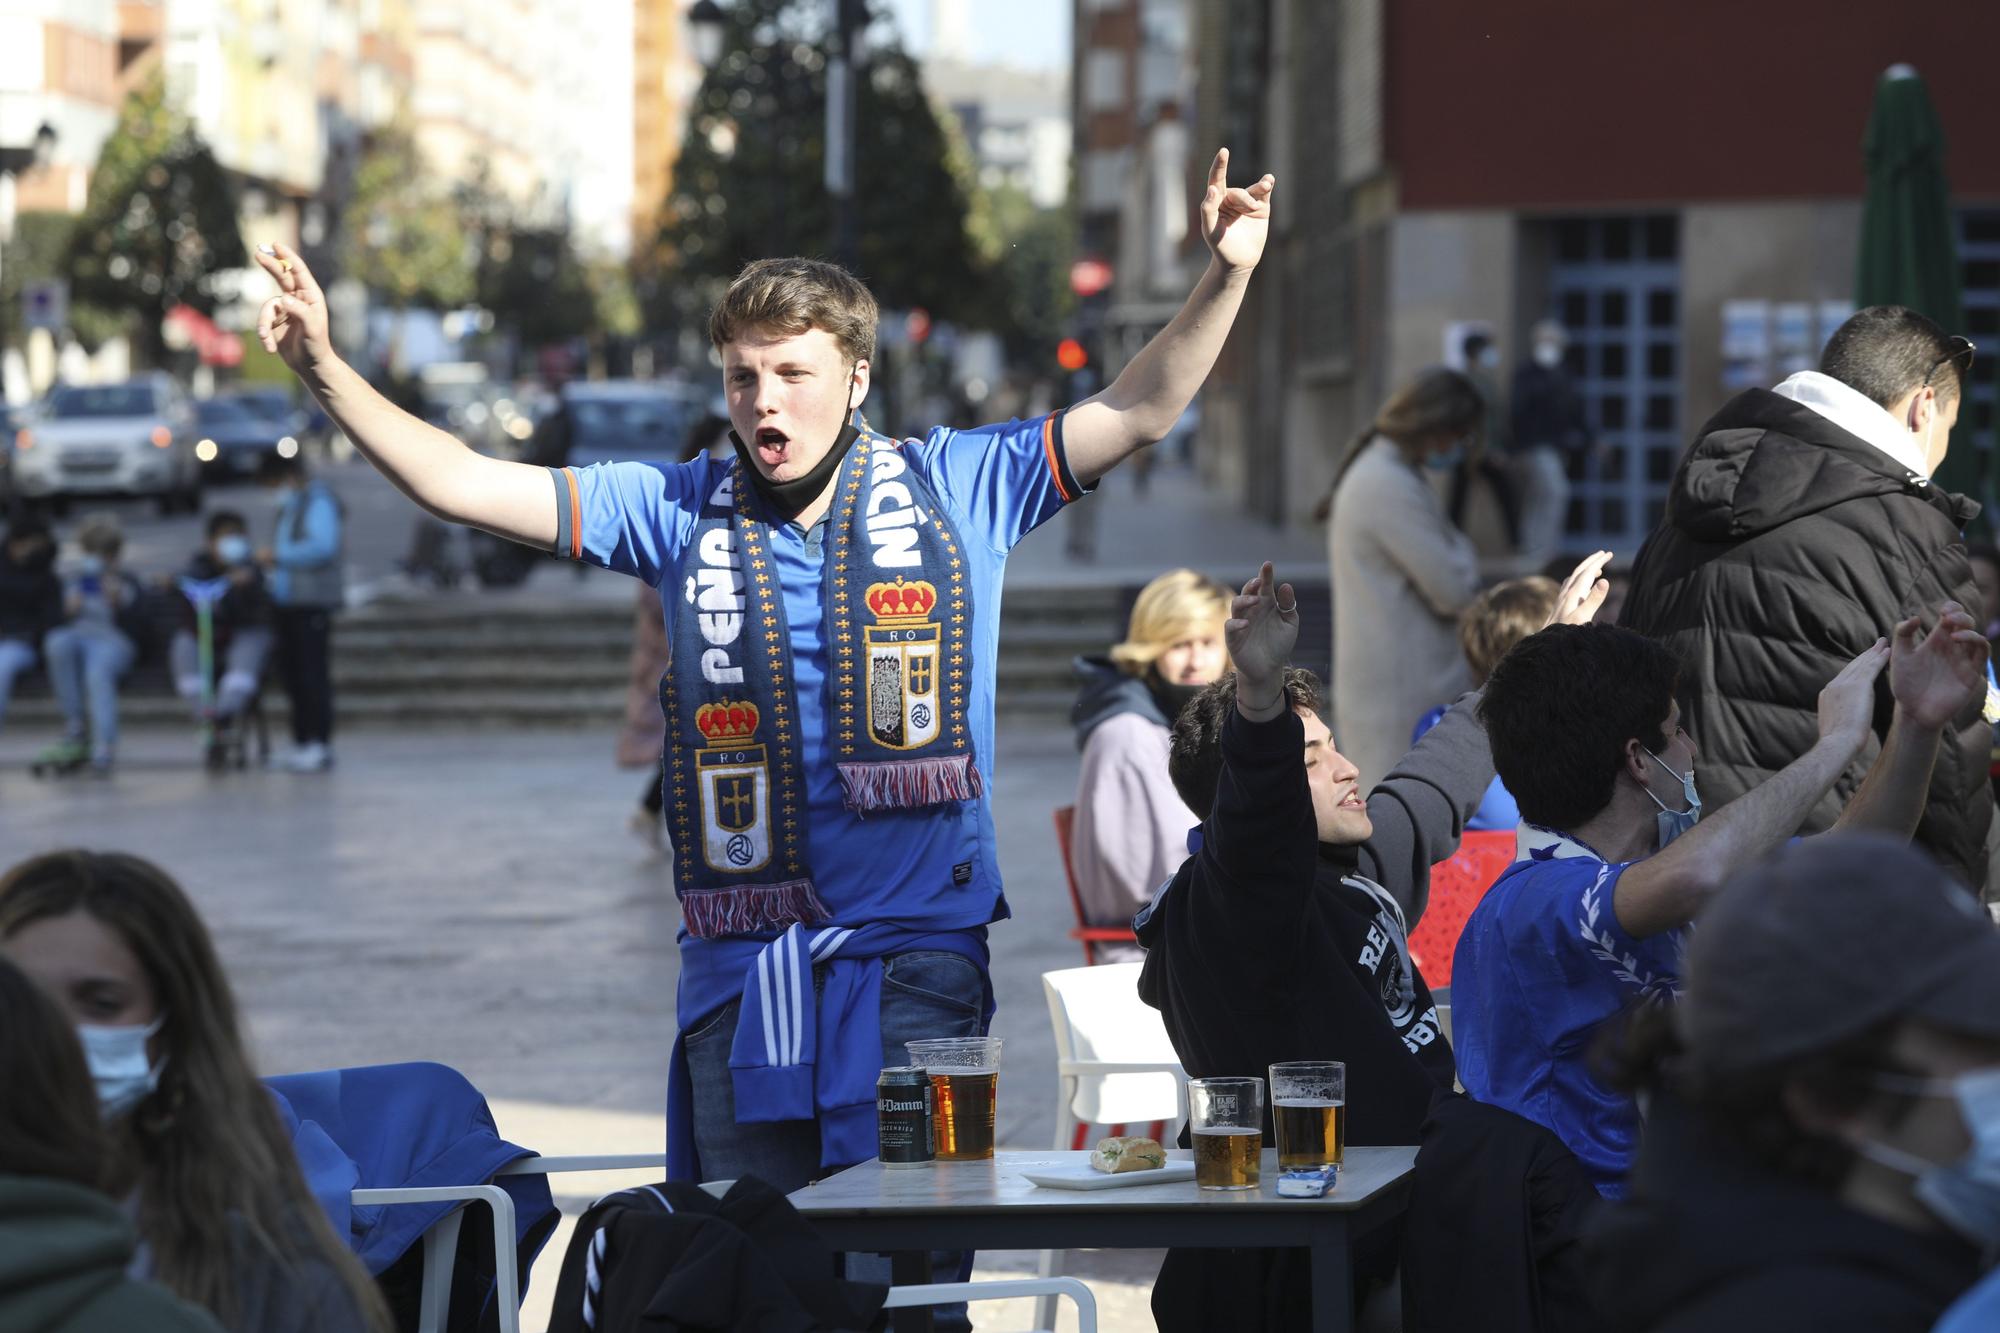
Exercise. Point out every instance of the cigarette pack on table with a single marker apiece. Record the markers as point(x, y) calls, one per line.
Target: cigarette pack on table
point(1308, 1184)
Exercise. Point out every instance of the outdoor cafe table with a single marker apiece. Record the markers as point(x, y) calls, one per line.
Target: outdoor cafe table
point(989, 1206)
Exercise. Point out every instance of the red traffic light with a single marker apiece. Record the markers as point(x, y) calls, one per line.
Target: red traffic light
point(1070, 355)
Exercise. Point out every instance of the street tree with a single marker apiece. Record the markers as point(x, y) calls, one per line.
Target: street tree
point(749, 181)
point(405, 241)
point(158, 226)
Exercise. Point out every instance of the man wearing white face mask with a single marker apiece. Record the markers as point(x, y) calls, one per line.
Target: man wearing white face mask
point(1823, 1142)
point(1589, 921)
point(1802, 521)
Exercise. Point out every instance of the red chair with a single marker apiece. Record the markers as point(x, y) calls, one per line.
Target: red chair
point(1083, 932)
point(1457, 884)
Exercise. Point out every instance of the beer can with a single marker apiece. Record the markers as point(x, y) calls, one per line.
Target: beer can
point(903, 1117)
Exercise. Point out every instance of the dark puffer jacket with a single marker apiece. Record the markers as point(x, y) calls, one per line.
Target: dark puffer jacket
point(1789, 546)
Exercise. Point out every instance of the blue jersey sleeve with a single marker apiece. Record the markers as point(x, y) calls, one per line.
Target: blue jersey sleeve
point(1601, 968)
point(1006, 479)
point(630, 517)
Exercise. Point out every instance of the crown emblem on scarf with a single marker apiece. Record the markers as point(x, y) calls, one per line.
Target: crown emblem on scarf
point(723, 721)
point(901, 600)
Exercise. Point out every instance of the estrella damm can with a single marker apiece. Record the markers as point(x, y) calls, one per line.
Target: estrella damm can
point(903, 1118)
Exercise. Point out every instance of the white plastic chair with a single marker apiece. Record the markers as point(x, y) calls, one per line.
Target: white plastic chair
point(1115, 1065)
point(441, 1249)
point(441, 1241)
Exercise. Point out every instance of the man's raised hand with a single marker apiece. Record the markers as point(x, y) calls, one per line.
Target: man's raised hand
point(1847, 704)
point(293, 323)
point(1933, 676)
point(1262, 629)
point(1236, 223)
point(1583, 592)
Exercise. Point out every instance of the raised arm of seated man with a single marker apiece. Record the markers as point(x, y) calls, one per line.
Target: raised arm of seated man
point(1932, 676)
point(1419, 809)
point(1259, 842)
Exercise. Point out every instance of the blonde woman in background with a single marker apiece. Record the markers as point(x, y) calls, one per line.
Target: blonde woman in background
point(1131, 827)
point(1402, 572)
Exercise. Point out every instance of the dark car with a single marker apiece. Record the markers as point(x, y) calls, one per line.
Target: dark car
point(614, 420)
point(232, 438)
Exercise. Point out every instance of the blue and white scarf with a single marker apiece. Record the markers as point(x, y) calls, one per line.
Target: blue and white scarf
point(897, 620)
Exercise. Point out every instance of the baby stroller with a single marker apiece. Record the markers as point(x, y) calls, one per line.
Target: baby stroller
point(224, 743)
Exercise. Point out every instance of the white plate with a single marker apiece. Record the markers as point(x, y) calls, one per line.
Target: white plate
point(1080, 1176)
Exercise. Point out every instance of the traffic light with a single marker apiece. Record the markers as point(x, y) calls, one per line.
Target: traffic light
point(1071, 356)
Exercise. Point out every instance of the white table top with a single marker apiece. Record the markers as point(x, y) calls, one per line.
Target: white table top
point(948, 1187)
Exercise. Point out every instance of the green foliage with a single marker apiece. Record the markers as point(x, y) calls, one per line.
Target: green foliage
point(536, 282)
point(1029, 250)
point(749, 182)
point(405, 240)
point(158, 226)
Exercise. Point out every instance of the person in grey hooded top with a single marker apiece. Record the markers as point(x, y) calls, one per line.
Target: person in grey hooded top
point(1131, 828)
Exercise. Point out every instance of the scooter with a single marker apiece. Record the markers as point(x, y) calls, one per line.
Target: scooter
point(221, 738)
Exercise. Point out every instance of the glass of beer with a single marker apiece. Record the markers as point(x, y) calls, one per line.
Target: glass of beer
point(965, 1074)
point(1309, 1113)
point(1226, 1120)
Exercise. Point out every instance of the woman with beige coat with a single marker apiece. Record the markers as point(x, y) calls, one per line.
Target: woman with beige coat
point(1401, 571)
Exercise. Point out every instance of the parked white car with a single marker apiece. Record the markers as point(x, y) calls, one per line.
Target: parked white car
point(133, 438)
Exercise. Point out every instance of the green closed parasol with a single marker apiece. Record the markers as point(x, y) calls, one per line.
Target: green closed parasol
point(1909, 236)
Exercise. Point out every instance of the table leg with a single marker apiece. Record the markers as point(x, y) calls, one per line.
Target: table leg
point(911, 1268)
point(1332, 1276)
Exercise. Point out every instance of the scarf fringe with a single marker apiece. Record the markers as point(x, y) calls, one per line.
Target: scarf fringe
point(910, 784)
point(744, 909)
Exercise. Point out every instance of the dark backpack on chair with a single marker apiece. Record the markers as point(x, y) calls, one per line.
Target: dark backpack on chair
point(672, 1256)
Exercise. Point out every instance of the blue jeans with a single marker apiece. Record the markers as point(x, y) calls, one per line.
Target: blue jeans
point(16, 656)
point(85, 662)
point(927, 993)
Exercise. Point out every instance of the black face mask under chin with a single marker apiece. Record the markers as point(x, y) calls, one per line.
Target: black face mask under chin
point(788, 498)
point(1171, 698)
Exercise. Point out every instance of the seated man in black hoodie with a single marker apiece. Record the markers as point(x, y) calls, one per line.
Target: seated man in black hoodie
point(1283, 936)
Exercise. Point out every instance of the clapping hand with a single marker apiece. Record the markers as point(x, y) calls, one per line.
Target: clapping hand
point(1583, 592)
point(1847, 704)
point(1262, 629)
point(1933, 676)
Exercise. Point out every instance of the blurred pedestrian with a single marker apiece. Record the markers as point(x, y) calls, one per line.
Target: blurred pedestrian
point(643, 739)
point(93, 649)
point(65, 1248)
point(239, 624)
point(1802, 521)
point(199, 1156)
point(1550, 441)
point(1822, 1146)
point(1488, 458)
point(1986, 574)
point(1402, 573)
point(307, 563)
point(1131, 827)
point(31, 599)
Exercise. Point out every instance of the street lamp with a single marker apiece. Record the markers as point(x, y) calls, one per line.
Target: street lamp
point(707, 27)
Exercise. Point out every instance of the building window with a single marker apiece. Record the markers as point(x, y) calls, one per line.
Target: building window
point(1104, 80)
point(1615, 285)
point(1979, 256)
